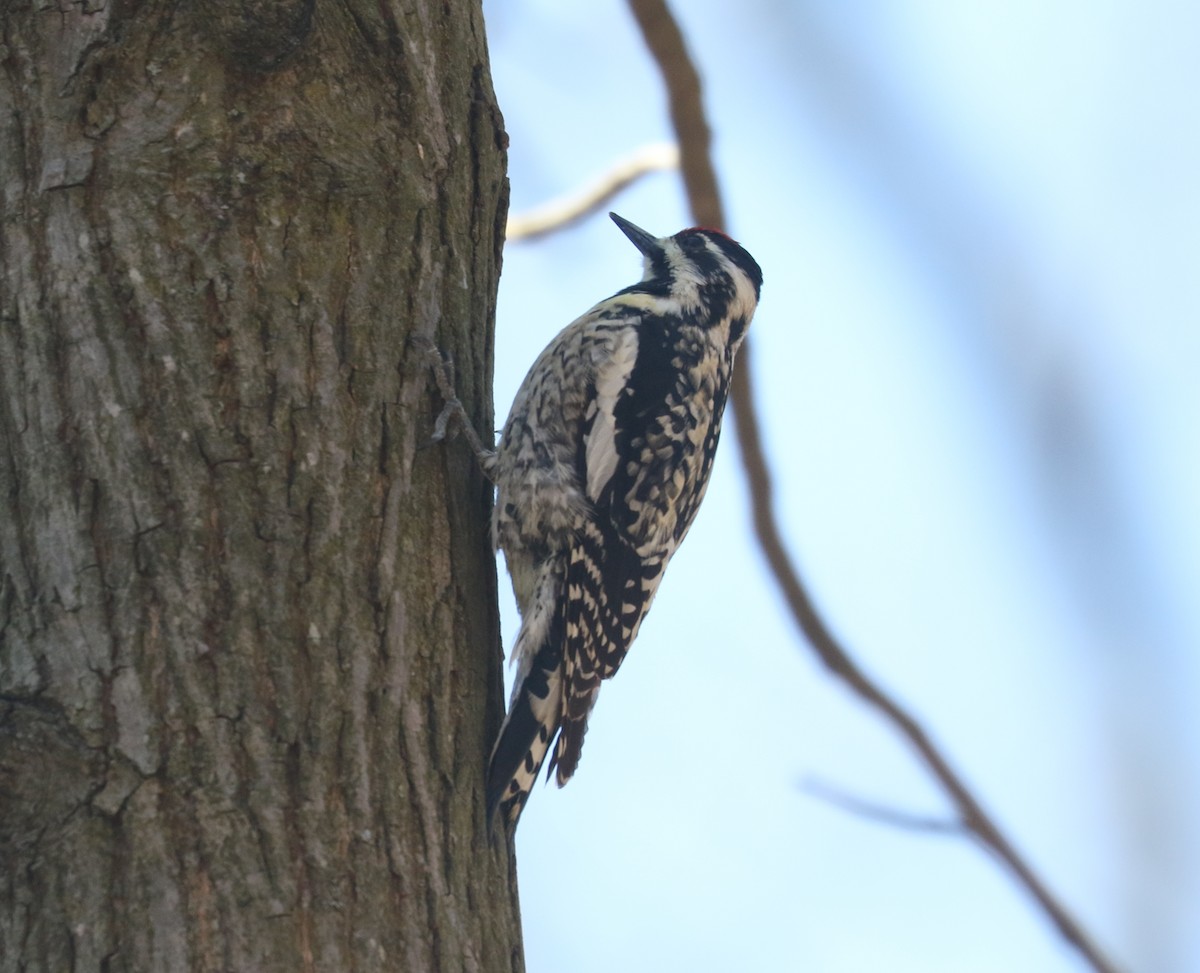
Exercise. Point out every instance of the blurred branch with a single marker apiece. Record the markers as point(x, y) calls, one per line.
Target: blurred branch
point(570, 209)
point(878, 812)
point(666, 44)
point(665, 40)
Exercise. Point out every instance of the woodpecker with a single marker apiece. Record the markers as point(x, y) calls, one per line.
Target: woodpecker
point(600, 469)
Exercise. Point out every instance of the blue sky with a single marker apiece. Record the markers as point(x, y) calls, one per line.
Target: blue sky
point(978, 361)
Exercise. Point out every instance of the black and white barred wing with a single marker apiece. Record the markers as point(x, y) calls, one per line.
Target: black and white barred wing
point(639, 485)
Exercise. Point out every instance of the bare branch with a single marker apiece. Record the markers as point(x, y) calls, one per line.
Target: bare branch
point(666, 44)
point(880, 813)
point(667, 47)
point(570, 209)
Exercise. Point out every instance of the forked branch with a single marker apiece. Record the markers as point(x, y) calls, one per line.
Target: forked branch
point(682, 81)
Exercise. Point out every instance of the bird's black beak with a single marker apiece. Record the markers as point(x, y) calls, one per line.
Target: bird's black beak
point(645, 242)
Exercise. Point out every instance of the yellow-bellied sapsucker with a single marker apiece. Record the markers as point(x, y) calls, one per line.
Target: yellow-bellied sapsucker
point(601, 467)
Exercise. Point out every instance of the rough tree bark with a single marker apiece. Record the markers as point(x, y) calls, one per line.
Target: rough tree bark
point(249, 658)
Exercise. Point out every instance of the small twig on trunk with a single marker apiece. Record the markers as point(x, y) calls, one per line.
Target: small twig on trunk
point(442, 368)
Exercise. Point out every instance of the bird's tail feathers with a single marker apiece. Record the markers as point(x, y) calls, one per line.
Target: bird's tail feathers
point(525, 736)
point(532, 721)
point(580, 698)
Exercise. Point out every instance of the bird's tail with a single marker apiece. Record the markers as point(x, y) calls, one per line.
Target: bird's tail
point(580, 691)
point(524, 740)
point(535, 711)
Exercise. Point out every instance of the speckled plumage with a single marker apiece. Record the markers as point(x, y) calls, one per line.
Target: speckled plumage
point(600, 470)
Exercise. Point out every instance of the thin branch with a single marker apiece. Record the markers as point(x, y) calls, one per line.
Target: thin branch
point(665, 40)
point(880, 813)
point(570, 209)
point(666, 44)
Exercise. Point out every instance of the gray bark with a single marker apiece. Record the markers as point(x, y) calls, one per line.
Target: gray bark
point(249, 663)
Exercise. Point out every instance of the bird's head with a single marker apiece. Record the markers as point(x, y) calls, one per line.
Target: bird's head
point(700, 266)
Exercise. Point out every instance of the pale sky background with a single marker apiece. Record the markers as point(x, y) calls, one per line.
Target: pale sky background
point(978, 362)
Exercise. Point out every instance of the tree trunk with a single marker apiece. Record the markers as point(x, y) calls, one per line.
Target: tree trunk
point(249, 665)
